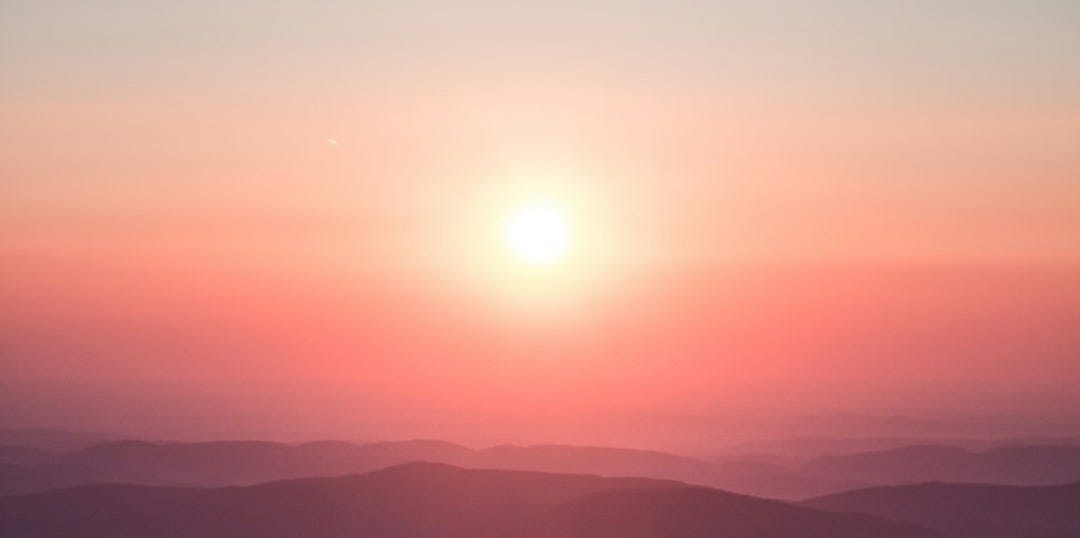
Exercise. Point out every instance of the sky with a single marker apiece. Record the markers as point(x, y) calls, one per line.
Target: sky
point(288, 219)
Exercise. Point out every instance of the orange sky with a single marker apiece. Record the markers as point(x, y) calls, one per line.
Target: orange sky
point(808, 207)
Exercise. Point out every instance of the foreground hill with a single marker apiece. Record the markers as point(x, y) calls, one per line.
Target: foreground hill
point(970, 510)
point(430, 501)
point(223, 463)
point(1016, 465)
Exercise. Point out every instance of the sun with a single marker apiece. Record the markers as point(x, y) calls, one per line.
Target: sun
point(538, 233)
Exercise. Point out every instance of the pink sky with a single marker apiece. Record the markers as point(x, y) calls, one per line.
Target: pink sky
point(811, 208)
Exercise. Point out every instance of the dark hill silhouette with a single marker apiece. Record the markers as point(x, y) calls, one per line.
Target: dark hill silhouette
point(429, 501)
point(970, 510)
point(249, 462)
point(1015, 465)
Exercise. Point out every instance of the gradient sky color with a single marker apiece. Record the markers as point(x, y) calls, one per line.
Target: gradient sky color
point(278, 218)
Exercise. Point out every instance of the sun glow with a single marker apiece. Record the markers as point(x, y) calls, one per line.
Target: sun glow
point(538, 233)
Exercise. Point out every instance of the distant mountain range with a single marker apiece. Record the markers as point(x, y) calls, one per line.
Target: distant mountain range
point(221, 463)
point(970, 510)
point(424, 500)
point(1030, 465)
point(122, 489)
point(52, 439)
point(797, 450)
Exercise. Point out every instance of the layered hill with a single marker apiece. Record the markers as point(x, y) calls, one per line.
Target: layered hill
point(426, 500)
point(222, 463)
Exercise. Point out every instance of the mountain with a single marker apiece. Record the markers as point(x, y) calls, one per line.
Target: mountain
point(426, 500)
point(52, 439)
point(763, 480)
point(590, 460)
point(970, 510)
point(1016, 465)
point(248, 462)
point(775, 481)
point(803, 449)
point(223, 463)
